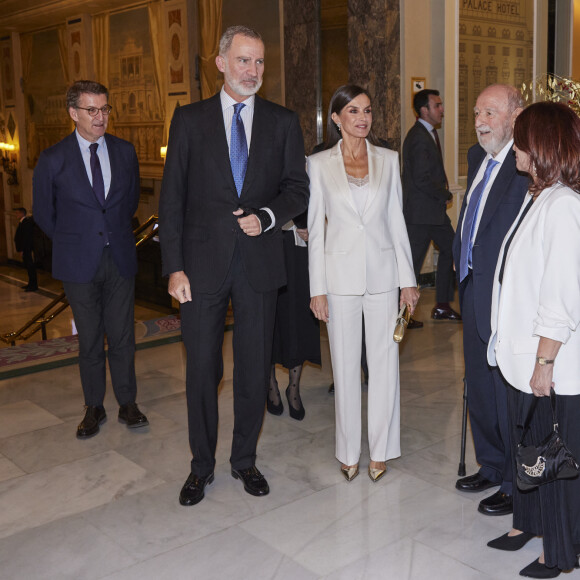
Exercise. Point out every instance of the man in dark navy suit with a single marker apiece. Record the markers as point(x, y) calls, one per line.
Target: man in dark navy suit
point(494, 195)
point(86, 190)
point(234, 174)
point(425, 197)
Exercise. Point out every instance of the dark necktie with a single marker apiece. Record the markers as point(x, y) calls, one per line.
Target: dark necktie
point(440, 155)
point(97, 173)
point(238, 148)
point(470, 219)
point(98, 183)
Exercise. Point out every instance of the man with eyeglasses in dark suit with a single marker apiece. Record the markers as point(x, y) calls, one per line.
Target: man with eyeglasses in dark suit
point(85, 192)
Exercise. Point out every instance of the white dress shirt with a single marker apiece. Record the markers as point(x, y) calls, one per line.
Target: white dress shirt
point(500, 158)
point(429, 128)
point(247, 115)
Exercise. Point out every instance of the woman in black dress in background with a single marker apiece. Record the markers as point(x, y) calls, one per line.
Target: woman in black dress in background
point(297, 331)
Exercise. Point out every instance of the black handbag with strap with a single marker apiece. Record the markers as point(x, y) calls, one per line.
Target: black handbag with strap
point(548, 461)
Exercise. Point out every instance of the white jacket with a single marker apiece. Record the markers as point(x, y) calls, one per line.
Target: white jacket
point(355, 253)
point(540, 293)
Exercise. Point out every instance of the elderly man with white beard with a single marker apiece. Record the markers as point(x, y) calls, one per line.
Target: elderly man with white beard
point(494, 195)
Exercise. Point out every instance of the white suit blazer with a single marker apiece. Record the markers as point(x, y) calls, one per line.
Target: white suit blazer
point(357, 253)
point(540, 293)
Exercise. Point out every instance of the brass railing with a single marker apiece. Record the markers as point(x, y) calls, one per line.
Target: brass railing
point(60, 303)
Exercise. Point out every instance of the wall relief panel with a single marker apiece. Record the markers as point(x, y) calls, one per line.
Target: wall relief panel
point(138, 115)
point(496, 41)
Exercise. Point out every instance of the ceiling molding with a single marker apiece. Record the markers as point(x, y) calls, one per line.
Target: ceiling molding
point(34, 15)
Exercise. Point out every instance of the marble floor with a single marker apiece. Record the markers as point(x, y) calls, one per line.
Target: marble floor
point(107, 507)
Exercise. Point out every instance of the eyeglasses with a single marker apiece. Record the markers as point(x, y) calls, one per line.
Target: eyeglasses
point(93, 111)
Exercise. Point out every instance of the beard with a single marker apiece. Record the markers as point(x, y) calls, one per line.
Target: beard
point(238, 86)
point(243, 89)
point(493, 141)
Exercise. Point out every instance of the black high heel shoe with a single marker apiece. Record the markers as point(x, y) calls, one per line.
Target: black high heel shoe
point(511, 543)
point(537, 570)
point(274, 409)
point(295, 413)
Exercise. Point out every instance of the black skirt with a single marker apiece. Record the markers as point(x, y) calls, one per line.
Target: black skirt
point(552, 510)
point(297, 331)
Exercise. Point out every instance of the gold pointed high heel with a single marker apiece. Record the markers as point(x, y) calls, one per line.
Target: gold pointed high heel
point(349, 472)
point(376, 474)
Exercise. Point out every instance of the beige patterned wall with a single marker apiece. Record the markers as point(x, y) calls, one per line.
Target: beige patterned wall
point(44, 87)
point(79, 48)
point(176, 33)
point(133, 88)
point(495, 46)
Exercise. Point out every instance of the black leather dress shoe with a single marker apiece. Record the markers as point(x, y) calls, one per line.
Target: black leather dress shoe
point(90, 425)
point(537, 570)
point(445, 314)
point(414, 324)
point(192, 491)
point(254, 482)
point(498, 504)
point(511, 543)
point(131, 416)
point(473, 483)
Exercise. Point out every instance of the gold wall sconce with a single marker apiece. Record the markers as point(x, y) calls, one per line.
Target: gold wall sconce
point(9, 164)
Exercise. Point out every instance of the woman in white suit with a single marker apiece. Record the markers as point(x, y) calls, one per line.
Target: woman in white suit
point(358, 262)
point(535, 337)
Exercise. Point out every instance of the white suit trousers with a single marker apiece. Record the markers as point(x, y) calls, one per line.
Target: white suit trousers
point(345, 336)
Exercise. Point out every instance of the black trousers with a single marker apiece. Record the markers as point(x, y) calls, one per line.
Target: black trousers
point(203, 322)
point(552, 510)
point(420, 236)
point(487, 400)
point(105, 306)
point(30, 266)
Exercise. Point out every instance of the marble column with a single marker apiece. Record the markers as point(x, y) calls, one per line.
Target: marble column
point(302, 64)
point(374, 61)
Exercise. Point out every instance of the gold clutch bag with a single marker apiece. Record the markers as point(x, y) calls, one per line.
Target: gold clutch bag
point(402, 322)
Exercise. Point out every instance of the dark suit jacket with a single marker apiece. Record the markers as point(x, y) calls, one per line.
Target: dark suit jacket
point(67, 210)
point(425, 192)
point(197, 229)
point(24, 235)
point(501, 208)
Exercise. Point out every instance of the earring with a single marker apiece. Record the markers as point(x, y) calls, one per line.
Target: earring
point(338, 126)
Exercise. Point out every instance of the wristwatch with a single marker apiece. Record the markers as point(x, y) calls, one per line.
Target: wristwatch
point(544, 361)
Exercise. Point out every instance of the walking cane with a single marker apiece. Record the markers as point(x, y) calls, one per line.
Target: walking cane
point(461, 470)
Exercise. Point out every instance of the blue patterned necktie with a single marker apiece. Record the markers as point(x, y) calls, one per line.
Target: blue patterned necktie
point(97, 173)
point(238, 148)
point(470, 219)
